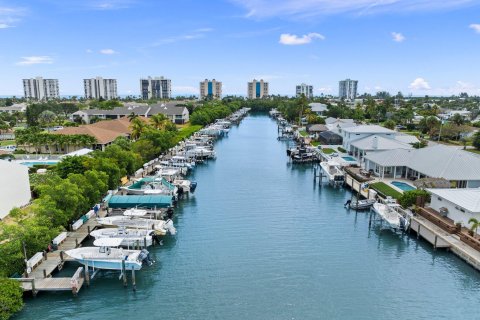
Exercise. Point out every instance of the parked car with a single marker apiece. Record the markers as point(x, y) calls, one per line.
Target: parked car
point(9, 148)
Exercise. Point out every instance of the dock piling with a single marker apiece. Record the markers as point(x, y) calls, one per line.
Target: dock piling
point(124, 274)
point(87, 275)
point(134, 284)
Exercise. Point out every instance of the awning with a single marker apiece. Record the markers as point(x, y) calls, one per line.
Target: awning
point(141, 201)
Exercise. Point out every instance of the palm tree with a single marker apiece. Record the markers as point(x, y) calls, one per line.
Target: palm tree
point(475, 224)
point(132, 116)
point(159, 121)
point(137, 126)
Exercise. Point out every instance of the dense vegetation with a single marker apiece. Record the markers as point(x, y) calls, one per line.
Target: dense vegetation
point(77, 183)
point(409, 198)
point(207, 113)
point(10, 298)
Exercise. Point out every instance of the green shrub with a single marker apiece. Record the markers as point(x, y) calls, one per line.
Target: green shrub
point(410, 197)
point(11, 300)
point(341, 150)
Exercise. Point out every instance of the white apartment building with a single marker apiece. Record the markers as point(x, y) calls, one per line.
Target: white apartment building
point(155, 88)
point(257, 89)
point(347, 89)
point(211, 89)
point(98, 87)
point(305, 89)
point(41, 89)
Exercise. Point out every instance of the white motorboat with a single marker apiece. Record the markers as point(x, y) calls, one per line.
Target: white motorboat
point(333, 172)
point(387, 213)
point(129, 237)
point(360, 204)
point(160, 227)
point(185, 185)
point(106, 255)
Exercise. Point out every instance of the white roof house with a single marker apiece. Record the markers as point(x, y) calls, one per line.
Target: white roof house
point(451, 163)
point(318, 108)
point(15, 189)
point(336, 125)
point(360, 139)
point(460, 205)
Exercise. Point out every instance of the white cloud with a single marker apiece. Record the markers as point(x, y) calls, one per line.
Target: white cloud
point(293, 40)
point(419, 84)
point(475, 27)
point(10, 15)
point(195, 34)
point(398, 37)
point(26, 61)
point(89, 51)
point(311, 8)
point(108, 51)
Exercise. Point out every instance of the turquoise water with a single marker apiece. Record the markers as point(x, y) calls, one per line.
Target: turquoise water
point(402, 185)
point(260, 240)
point(348, 158)
point(32, 163)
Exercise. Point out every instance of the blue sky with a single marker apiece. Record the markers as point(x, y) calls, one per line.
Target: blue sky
point(414, 46)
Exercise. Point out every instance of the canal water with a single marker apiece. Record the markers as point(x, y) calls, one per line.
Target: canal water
point(260, 240)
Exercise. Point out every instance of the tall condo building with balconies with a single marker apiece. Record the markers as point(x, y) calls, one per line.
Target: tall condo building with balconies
point(211, 89)
point(155, 88)
point(98, 87)
point(41, 89)
point(257, 89)
point(305, 89)
point(347, 89)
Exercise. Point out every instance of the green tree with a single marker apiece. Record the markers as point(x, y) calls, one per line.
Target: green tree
point(474, 224)
point(457, 119)
point(476, 140)
point(389, 124)
point(11, 298)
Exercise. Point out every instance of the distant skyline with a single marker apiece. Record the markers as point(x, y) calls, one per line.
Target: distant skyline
point(418, 47)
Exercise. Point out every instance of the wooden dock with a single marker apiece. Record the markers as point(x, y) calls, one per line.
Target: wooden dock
point(440, 238)
point(39, 278)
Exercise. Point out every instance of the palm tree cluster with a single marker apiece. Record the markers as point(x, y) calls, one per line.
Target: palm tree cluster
point(33, 138)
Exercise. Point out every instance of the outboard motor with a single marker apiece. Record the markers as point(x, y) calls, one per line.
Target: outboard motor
point(170, 213)
point(347, 203)
point(169, 226)
point(144, 256)
point(193, 186)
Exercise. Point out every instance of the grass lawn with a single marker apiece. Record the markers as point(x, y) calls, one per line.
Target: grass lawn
point(6, 142)
point(385, 190)
point(315, 143)
point(328, 150)
point(303, 133)
point(473, 151)
point(186, 131)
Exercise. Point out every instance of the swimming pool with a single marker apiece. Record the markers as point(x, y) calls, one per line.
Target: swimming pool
point(32, 163)
point(402, 185)
point(348, 158)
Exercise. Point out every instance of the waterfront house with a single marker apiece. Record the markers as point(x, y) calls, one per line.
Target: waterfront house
point(15, 186)
point(177, 114)
point(315, 129)
point(460, 167)
point(359, 140)
point(330, 138)
point(460, 205)
point(337, 125)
